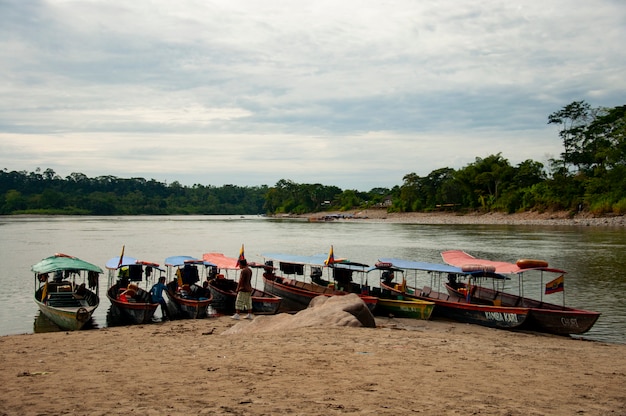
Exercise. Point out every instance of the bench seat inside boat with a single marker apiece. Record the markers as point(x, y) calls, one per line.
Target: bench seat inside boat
point(63, 300)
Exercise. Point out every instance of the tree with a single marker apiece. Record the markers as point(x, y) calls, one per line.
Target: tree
point(574, 117)
point(485, 180)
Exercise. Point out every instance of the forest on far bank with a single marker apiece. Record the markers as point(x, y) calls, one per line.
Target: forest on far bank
point(590, 175)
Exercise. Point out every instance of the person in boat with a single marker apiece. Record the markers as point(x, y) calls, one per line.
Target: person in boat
point(156, 294)
point(212, 274)
point(316, 275)
point(81, 291)
point(388, 277)
point(244, 291)
point(454, 284)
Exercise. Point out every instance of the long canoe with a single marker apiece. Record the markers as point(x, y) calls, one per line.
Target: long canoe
point(450, 306)
point(131, 303)
point(543, 316)
point(66, 290)
point(224, 289)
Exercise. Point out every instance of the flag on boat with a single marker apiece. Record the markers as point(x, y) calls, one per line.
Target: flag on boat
point(241, 255)
point(119, 264)
point(555, 285)
point(331, 257)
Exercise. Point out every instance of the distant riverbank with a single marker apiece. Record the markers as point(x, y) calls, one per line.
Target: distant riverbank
point(524, 218)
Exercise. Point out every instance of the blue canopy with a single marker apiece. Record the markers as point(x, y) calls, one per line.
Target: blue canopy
point(422, 265)
point(114, 263)
point(177, 261)
point(438, 268)
point(358, 267)
point(315, 260)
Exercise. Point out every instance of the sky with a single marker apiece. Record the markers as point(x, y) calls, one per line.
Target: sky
point(354, 94)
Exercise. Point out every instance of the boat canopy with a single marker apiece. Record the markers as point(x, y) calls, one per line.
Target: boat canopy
point(114, 263)
point(221, 261)
point(351, 265)
point(422, 265)
point(177, 261)
point(314, 260)
point(439, 268)
point(54, 263)
point(462, 259)
point(389, 268)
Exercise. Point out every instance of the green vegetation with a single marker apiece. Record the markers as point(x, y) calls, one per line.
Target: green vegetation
point(590, 174)
point(47, 193)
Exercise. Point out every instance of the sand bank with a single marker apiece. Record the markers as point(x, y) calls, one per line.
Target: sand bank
point(526, 218)
point(401, 367)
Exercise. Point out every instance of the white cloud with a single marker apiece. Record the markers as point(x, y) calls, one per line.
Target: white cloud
point(353, 94)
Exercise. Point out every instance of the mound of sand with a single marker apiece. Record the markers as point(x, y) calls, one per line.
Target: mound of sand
point(348, 310)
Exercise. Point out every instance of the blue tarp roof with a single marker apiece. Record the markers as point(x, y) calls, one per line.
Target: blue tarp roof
point(113, 263)
point(315, 260)
point(422, 265)
point(359, 267)
point(177, 261)
point(438, 267)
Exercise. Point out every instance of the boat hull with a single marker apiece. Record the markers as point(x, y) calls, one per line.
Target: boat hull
point(189, 308)
point(68, 312)
point(224, 297)
point(297, 295)
point(70, 319)
point(408, 308)
point(457, 309)
point(543, 316)
point(564, 322)
point(132, 312)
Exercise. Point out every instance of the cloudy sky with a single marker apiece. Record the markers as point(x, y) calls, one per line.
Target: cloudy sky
point(354, 94)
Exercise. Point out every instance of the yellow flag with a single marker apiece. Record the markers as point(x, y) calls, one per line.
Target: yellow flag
point(331, 257)
point(119, 264)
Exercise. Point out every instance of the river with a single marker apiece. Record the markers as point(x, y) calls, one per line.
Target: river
point(592, 256)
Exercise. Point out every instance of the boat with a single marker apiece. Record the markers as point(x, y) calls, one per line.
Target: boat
point(449, 306)
point(388, 304)
point(190, 300)
point(297, 294)
point(543, 316)
point(398, 305)
point(223, 289)
point(67, 290)
point(130, 302)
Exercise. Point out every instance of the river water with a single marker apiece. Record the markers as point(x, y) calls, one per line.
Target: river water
point(593, 256)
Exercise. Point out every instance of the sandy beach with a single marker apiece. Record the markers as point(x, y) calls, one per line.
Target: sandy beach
point(402, 366)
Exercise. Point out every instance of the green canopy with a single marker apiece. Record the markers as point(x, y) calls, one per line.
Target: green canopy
point(54, 263)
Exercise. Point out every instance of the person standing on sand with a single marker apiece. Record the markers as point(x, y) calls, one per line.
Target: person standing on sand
point(244, 291)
